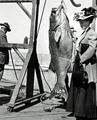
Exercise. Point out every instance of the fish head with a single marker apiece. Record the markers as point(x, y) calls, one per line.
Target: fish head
point(57, 17)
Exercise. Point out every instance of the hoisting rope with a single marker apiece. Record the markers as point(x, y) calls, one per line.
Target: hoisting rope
point(41, 17)
point(13, 65)
point(52, 104)
point(45, 79)
point(44, 94)
point(37, 36)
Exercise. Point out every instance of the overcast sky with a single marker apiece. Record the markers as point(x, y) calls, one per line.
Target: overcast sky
point(20, 23)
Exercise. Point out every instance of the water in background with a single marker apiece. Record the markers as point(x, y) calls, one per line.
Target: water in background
point(44, 60)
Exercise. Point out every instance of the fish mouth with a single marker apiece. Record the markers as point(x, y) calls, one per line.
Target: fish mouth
point(54, 10)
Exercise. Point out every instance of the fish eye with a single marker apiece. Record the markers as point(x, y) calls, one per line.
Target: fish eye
point(54, 12)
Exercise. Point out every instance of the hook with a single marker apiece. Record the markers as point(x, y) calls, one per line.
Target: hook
point(76, 5)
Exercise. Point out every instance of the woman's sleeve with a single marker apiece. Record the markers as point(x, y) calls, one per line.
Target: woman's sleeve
point(92, 41)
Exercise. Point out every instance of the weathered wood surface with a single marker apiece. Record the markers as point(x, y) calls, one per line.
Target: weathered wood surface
point(24, 9)
point(14, 45)
point(34, 112)
point(28, 56)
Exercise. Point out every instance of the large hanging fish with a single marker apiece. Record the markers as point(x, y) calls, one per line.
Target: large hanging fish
point(60, 46)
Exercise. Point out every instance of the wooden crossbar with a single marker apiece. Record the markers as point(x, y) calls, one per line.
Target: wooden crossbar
point(14, 45)
point(10, 1)
point(31, 64)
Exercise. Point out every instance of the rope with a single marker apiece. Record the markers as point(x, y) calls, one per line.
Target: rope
point(41, 17)
point(39, 64)
point(45, 79)
point(48, 106)
point(13, 65)
point(52, 104)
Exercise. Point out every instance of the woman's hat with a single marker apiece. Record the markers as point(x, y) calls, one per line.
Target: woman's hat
point(85, 13)
point(6, 25)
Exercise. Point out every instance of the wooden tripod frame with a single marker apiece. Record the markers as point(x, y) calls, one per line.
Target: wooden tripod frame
point(31, 64)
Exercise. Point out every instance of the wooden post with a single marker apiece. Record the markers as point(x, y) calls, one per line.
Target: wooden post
point(30, 64)
point(25, 65)
point(94, 4)
point(33, 65)
point(24, 9)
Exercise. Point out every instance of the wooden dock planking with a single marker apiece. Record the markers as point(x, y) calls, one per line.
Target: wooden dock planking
point(6, 87)
point(34, 112)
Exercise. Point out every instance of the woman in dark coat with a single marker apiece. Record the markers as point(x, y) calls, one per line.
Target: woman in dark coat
point(4, 55)
point(82, 95)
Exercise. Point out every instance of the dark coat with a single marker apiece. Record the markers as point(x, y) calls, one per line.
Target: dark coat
point(91, 67)
point(82, 99)
point(4, 54)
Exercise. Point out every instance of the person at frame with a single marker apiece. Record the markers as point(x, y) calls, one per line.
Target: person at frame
point(81, 101)
point(4, 54)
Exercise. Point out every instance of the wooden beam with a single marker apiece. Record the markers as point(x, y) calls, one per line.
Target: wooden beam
point(94, 4)
point(14, 45)
point(26, 100)
point(10, 1)
point(24, 9)
point(19, 54)
point(28, 56)
point(32, 62)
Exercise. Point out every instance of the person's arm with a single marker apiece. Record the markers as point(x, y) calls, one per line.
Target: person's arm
point(92, 41)
point(3, 40)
